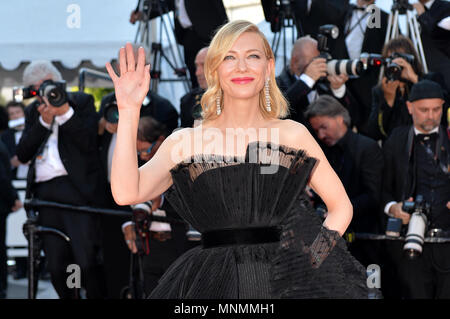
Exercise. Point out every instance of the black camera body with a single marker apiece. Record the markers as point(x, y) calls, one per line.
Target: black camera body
point(54, 91)
point(393, 71)
point(142, 223)
point(111, 112)
point(277, 10)
point(336, 67)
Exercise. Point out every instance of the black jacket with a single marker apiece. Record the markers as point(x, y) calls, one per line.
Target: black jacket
point(8, 194)
point(9, 139)
point(76, 144)
point(358, 161)
point(397, 173)
point(296, 92)
point(190, 107)
point(206, 17)
point(429, 22)
point(321, 12)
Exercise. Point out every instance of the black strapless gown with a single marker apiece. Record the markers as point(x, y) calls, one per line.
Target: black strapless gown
point(215, 193)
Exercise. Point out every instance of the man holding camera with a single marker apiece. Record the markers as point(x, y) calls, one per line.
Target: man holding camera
point(356, 37)
point(417, 159)
point(303, 81)
point(60, 141)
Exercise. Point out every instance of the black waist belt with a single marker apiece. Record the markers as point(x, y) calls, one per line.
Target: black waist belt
point(240, 236)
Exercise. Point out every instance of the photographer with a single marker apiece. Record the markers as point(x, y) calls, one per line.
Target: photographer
point(416, 161)
point(165, 241)
point(357, 37)
point(358, 162)
point(389, 98)
point(60, 141)
point(300, 81)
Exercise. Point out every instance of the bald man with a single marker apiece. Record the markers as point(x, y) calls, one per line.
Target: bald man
point(301, 81)
point(190, 107)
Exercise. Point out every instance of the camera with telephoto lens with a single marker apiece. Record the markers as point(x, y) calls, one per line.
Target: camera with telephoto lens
point(111, 112)
point(142, 223)
point(420, 212)
point(54, 91)
point(336, 67)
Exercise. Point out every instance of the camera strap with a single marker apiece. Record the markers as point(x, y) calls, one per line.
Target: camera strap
point(358, 23)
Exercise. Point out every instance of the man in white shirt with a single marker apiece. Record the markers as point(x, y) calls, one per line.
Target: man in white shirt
point(60, 142)
point(357, 36)
point(301, 81)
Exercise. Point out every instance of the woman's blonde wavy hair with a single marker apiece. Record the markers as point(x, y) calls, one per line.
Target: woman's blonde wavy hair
point(218, 49)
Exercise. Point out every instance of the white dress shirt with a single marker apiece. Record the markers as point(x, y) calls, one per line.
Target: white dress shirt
point(313, 95)
point(355, 38)
point(48, 163)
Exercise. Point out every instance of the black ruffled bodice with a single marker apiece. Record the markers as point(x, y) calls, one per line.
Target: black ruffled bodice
point(266, 188)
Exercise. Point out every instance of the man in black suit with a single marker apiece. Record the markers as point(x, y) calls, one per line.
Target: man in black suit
point(300, 83)
point(417, 159)
point(11, 137)
point(60, 142)
point(195, 24)
point(9, 202)
point(434, 19)
point(311, 14)
point(358, 35)
point(358, 161)
point(190, 107)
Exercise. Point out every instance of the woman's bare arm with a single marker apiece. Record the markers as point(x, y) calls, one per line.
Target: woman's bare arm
point(326, 183)
point(129, 184)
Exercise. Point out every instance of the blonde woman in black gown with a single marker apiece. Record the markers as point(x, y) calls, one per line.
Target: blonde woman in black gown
point(239, 178)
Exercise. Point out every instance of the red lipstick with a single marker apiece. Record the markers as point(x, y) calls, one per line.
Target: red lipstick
point(243, 80)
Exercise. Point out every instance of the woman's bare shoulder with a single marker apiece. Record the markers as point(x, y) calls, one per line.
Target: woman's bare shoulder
point(292, 133)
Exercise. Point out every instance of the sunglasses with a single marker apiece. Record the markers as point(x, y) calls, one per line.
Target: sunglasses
point(148, 150)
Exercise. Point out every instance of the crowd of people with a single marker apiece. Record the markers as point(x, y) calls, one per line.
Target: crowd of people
point(386, 139)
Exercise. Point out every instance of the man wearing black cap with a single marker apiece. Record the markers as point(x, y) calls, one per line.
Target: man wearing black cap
point(417, 161)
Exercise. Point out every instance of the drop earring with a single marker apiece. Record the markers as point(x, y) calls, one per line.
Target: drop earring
point(218, 109)
point(267, 95)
